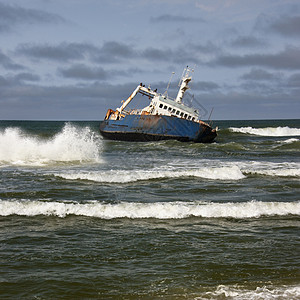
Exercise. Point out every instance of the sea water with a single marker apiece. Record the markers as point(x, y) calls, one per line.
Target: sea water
point(87, 218)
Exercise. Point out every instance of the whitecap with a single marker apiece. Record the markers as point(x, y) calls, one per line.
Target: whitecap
point(263, 292)
point(126, 176)
point(158, 210)
point(284, 169)
point(268, 131)
point(289, 141)
point(71, 144)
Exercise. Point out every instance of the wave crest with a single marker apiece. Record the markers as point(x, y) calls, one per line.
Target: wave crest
point(71, 144)
point(265, 292)
point(158, 210)
point(126, 176)
point(268, 131)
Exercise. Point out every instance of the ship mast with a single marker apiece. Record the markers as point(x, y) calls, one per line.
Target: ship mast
point(183, 83)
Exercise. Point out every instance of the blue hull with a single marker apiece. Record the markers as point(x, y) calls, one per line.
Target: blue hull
point(155, 128)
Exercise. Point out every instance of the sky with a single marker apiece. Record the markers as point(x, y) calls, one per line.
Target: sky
point(74, 59)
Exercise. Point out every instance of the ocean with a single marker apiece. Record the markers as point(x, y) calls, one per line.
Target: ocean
point(87, 218)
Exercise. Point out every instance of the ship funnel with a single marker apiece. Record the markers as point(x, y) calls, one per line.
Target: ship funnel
point(183, 83)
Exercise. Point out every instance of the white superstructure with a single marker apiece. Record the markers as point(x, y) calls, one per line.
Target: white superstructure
point(160, 104)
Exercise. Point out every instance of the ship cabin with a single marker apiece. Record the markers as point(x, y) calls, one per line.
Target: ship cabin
point(160, 104)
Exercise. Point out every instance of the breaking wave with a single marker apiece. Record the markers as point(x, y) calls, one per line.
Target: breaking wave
point(234, 172)
point(268, 131)
point(290, 141)
point(71, 144)
point(126, 176)
point(271, 169)
point(277, 172)
point(158, 210)
point(265, 292)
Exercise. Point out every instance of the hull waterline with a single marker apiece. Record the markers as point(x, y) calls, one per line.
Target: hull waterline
point(156, 128)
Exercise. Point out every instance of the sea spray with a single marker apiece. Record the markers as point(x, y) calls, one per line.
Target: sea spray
point(73, 143)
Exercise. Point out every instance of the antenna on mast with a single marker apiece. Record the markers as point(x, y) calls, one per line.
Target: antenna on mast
point(183, 83)
point(166, 92)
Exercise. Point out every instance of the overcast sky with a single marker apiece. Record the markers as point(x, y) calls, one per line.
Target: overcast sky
point(74, 59)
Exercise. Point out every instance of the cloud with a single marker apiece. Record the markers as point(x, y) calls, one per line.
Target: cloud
point(176, 55)
point(158, 54)
point(80, 71)
point(208, 47)
point(27, 100)
point(84, 72)
point(288, 59)
point(259, 75)
point(248, 41)
point(11, 16)
point(112, 52)
point(16, 80)
point(62, 52)
point(8, 63)
point(19, 100)
point(204, 86)
point(175, 19)
point(26, 77)
point(109, 52)
point(285, 25)
point(294, 81)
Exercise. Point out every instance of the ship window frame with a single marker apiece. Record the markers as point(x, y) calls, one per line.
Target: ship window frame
point(173, 111)
point(169, 109)
point(177, 112)
point(165, 107)
point(181, 114)
point(185, 116)
point(161, 105)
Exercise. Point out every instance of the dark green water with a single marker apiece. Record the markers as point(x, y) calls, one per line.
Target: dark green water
point(85, 218)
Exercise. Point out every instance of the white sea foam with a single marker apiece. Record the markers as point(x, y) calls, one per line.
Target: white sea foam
point(278, 172)
point(71, 144)
point(290, 141)
point(159, 210)
point(265, 292)
point(268, 131)
point(126, 176)
point(271, 169)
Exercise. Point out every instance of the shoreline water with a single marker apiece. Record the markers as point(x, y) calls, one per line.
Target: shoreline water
point(83, 217)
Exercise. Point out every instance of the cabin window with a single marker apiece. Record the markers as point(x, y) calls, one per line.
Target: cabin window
point(160, 105)
point(185, 116)
point(170, 108)
point(193, 119)
point(189, 117)
point(173, 111)
point(177, 112)
point(165, 107)
point(181, 115)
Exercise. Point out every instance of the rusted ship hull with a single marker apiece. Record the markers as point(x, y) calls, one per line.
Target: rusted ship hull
point(144, 128)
